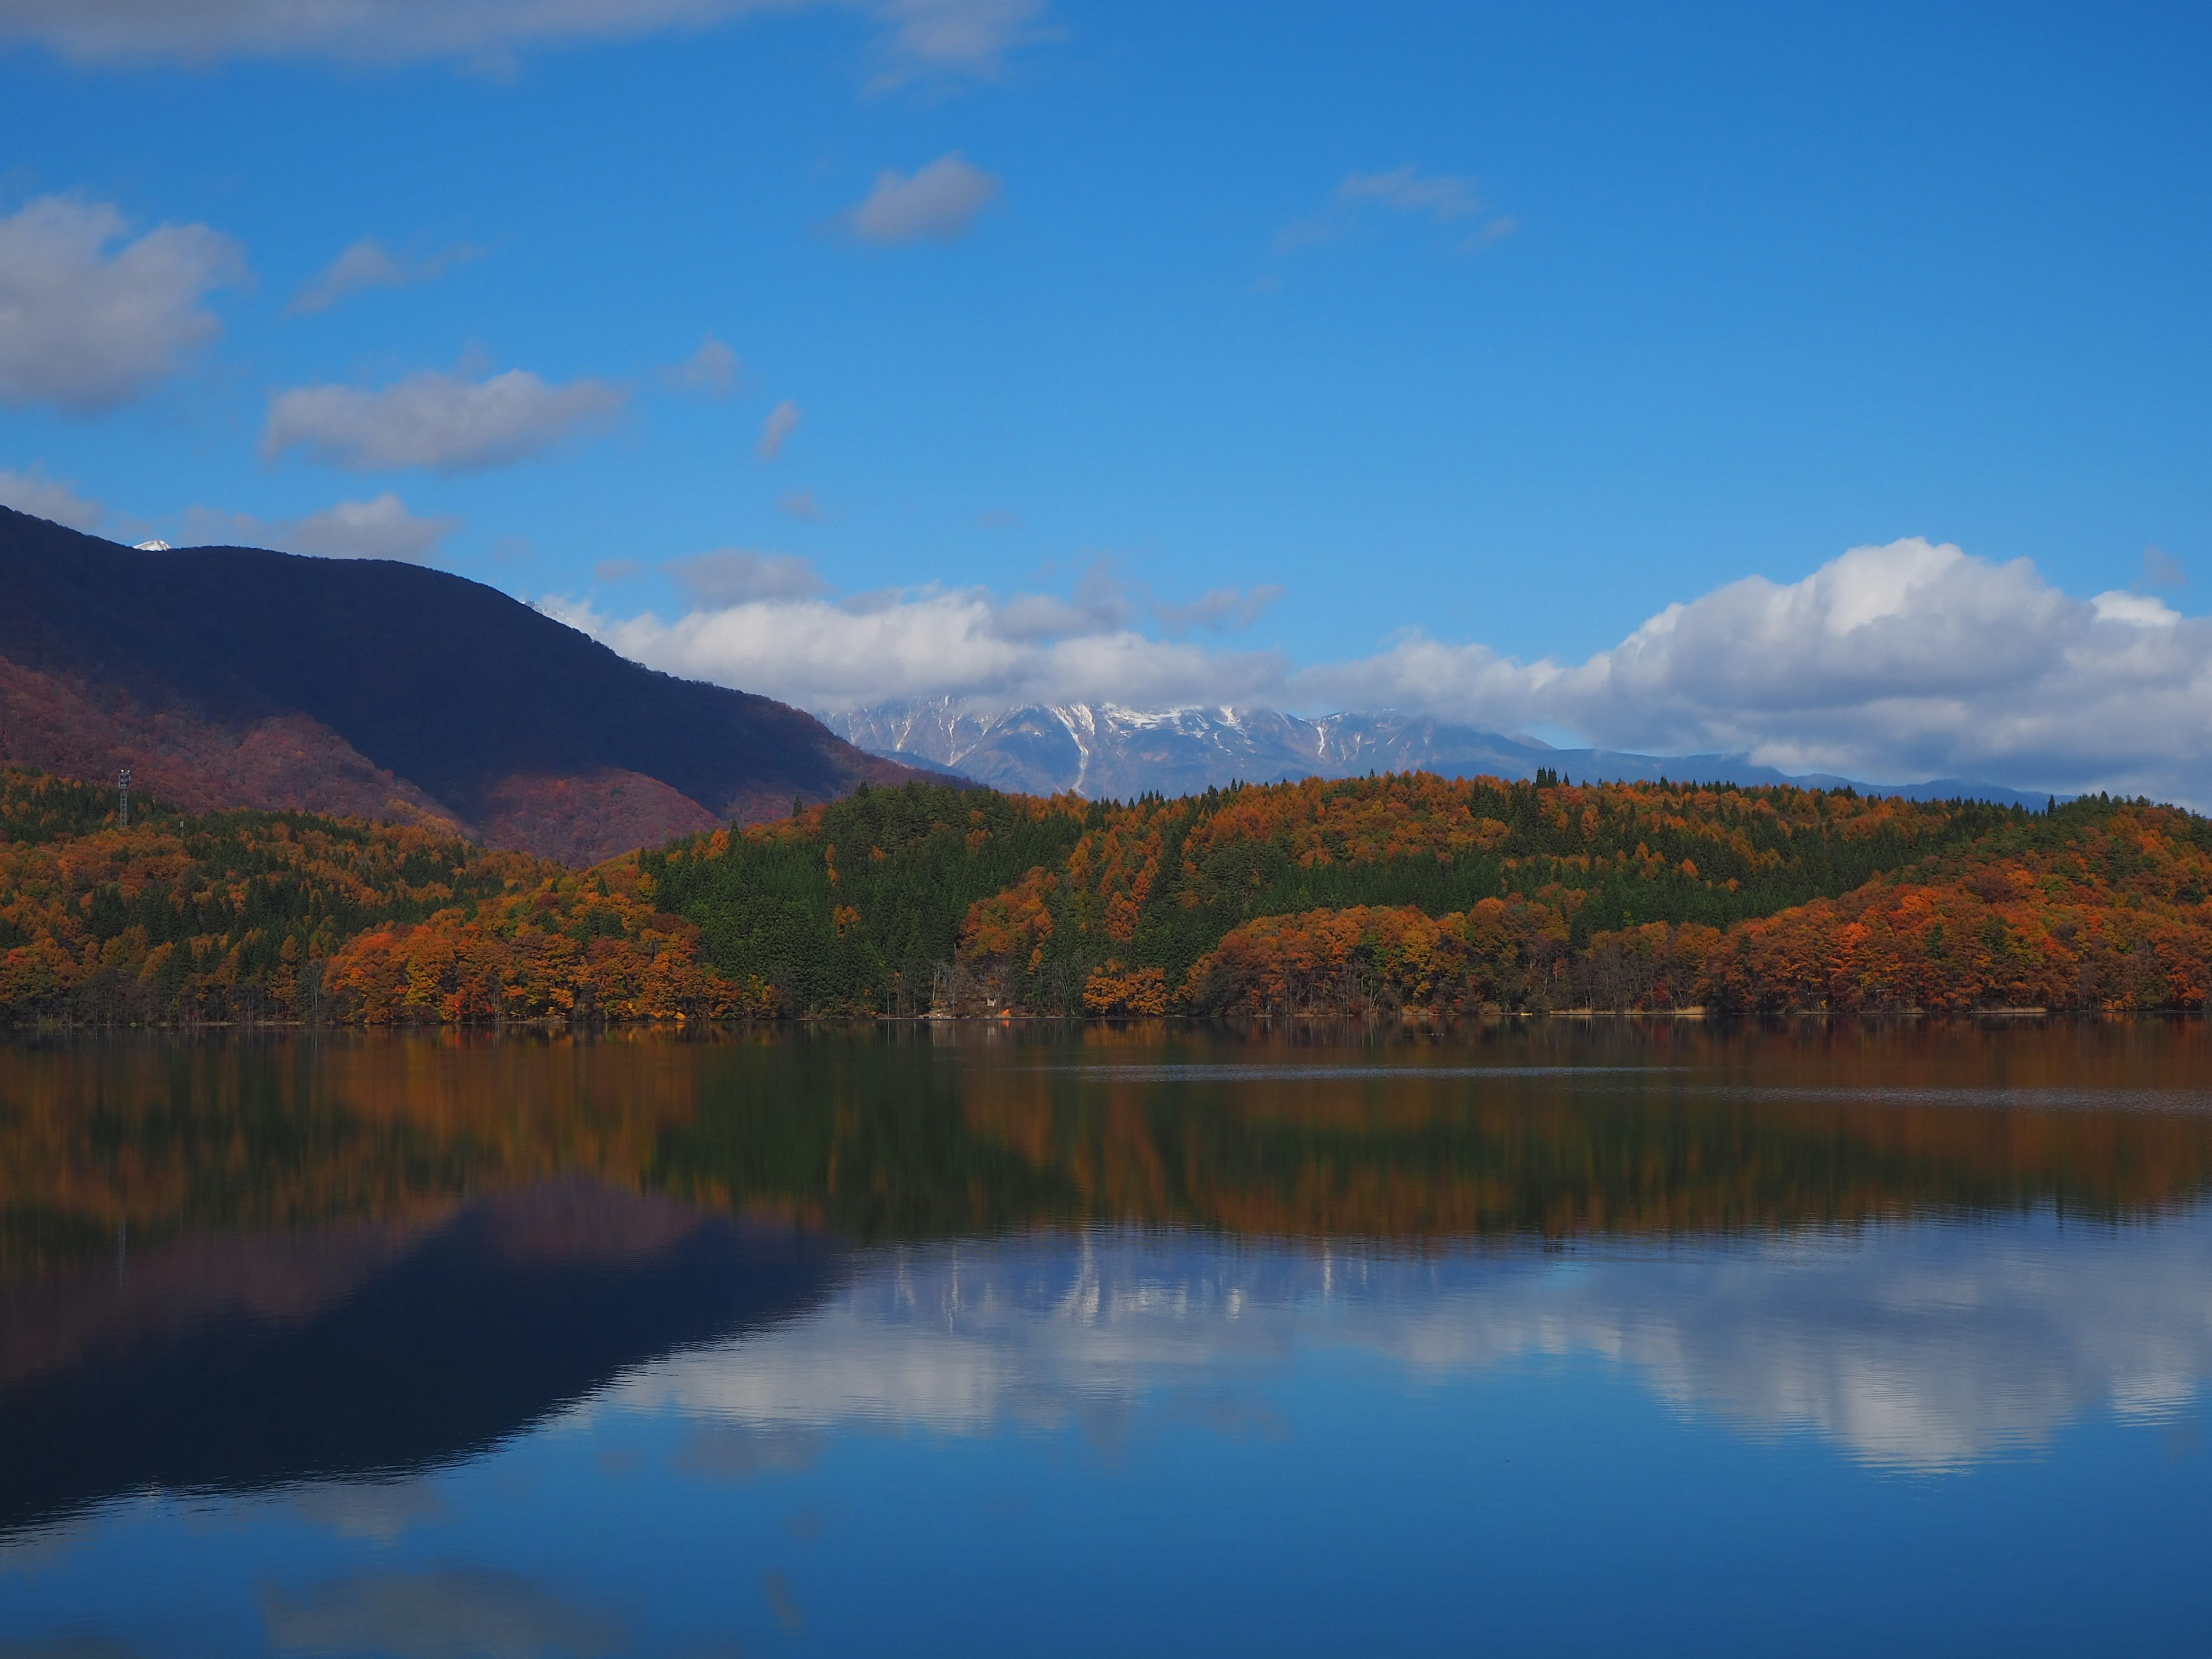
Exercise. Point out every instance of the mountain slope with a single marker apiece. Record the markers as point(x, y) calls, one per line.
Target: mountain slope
point(236, 677)
point(1104, 752)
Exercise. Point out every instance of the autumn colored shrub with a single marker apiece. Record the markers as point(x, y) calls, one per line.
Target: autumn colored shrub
point(1114, 989)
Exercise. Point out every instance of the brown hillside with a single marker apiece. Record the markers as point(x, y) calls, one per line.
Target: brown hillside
point(234, 677)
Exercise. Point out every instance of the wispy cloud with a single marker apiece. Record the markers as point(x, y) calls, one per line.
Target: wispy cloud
point(368, 264)
point(1442, 198)
point(445, 421)
point(969, 38)
point(1899, 662)
point(1223, 610)
point(427, 1615)
point(775, 431)
point(2161, 569)
point(381, 528)
point(713, 370)
point(86, 325)
point(938, 203)
point(920, 39)
point(801, 504)
point(732, 576)
point(43, 497)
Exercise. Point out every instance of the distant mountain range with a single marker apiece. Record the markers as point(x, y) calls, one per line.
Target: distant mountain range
point(231, 676)
point(1105, 752)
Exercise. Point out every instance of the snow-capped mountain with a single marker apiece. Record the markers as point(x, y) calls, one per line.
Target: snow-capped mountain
point(1104, 751)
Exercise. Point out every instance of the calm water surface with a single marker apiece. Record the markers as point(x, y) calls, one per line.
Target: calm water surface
point(1590, 1337)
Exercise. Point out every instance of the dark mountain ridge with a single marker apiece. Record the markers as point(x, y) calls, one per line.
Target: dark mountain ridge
point(229, 676)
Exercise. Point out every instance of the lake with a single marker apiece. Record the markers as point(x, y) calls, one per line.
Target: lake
point(1565, 1337)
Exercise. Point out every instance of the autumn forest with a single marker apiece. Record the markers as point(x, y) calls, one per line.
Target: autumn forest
point(1392, 896)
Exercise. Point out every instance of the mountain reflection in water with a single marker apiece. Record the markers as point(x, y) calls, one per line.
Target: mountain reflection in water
point(339, 1274)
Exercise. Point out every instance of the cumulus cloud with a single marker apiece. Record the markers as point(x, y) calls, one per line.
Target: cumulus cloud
point(713, 370)
point(775, 431)
point(920, 39)
point(938, 203)
point(86, 325)
point(768, 623)
point(1443, 198)
point(834, 655)
point(1904, 661)
point(368, 265)
point(42, 497)
point(379, 529)
point(446, 421)
point(1897, 663)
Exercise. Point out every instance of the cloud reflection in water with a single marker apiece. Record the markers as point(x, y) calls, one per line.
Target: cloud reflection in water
point(1923, 1347)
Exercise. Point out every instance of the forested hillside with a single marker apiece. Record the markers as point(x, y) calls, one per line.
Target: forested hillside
point(1373, 895)
point(251, 915)
point(1363, 897)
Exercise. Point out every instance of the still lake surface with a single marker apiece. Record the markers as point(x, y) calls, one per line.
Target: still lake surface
point(1575, 1337)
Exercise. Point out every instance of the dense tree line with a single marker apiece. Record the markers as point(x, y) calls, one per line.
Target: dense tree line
point(252, 915)
point(1363, 896)
point(899, 900)
point(858, 906)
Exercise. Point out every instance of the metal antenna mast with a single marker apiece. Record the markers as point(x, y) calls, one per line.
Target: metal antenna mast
point(122, 788)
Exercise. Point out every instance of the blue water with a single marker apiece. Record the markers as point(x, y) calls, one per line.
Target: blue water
point(1914, 1423)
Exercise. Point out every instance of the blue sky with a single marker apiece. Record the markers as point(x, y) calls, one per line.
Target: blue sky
point(1494, 332)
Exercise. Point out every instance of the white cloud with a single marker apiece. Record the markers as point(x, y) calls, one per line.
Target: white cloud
point(447, 421)
point(938, 203)
point(85, 329)
point(379, 529)
point(831, 653)
point(1895, 664)
point(921, 37)
point(713, 369)
point(42, 497)
point(801, 504)
point(368, 265)
point(775, 431)
point(1443, 198)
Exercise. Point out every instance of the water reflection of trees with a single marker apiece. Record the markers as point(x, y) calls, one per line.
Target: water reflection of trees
point(1549, 1130)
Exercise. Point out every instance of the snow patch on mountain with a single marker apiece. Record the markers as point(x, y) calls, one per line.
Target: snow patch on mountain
point(1104, 751)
